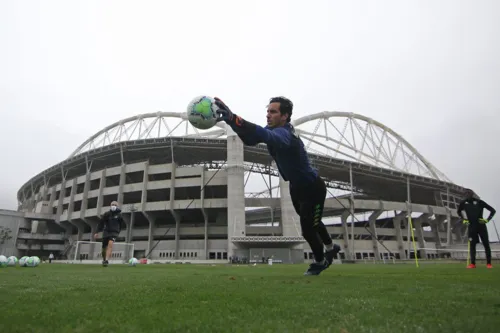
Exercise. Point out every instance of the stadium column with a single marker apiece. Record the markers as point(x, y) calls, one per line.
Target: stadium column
point(120, 186)
point(435, 227)
point(100, 196)
point(150, 234)
point(345, 232)
point(144, 200)
point(290, 220)
point(419, 230)
point(458, 230)
point(396, 221)
point(372, 220)
point(205, 216)
point(172, 209)
point(78, 224)
point(448, 226)
point(235, 191)
point(67, 229)
point(83, 210)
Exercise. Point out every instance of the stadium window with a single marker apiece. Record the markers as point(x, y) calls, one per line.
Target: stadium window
point(305, 255)
point(219, 256)
point(211, 255)
point(224, 255)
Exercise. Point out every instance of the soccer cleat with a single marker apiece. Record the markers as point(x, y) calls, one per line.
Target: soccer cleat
point(471, 266)
point(316, 268)
point(489, 266)
point(105, 263)
point(332, 254)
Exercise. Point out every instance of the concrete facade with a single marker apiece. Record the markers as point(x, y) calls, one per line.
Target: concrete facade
point(192, 213)
point(176, 211)
point(12, 223)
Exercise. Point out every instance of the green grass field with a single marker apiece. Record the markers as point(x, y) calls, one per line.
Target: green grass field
point(194, 298)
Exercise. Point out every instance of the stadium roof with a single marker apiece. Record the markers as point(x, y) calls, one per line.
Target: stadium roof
point(331, 137)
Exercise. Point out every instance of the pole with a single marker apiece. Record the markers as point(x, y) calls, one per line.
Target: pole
point(410, 224)
point(353, 254)
point(408, 208)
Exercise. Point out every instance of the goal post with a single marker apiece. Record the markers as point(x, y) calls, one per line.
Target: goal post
point(87, 252)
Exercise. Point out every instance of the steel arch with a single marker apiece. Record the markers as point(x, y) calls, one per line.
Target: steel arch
point(357, 138)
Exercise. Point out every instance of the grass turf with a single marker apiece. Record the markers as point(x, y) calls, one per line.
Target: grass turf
point(193, 298)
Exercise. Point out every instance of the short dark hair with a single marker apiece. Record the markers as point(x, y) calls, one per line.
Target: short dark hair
point(286, 106)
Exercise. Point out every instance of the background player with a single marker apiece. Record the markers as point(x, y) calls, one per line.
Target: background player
point(307, 189)
point(111, 224)
point(473, 208)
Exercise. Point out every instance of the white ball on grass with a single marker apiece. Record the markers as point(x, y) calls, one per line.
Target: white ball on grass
point(3, 261)
point(12, 261)
point(32, 261)
point(23, 260)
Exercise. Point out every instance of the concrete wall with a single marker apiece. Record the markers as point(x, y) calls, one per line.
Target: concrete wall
point(12, 220)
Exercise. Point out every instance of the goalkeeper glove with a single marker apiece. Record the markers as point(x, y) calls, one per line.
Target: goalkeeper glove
point(466, 222)
point(483, 221)
point(225, 114)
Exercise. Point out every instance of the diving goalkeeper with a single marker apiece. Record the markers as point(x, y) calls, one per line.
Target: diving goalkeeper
point(473, 208)
point(111, 224)
point(307, 189)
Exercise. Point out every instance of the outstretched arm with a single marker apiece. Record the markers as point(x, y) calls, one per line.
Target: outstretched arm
point(250, 133)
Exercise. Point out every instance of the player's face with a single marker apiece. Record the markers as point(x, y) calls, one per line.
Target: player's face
point(274, 116)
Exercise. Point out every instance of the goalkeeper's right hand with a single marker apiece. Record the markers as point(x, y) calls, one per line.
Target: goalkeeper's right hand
point(224, 113)
point(466, 222)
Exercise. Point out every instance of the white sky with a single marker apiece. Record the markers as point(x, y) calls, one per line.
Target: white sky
point(428, 69)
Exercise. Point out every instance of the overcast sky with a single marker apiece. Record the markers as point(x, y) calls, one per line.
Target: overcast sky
point(430, 70)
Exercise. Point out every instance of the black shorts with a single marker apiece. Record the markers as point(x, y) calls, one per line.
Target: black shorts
point(105, 240)
point(478, 230)
point(309, 201)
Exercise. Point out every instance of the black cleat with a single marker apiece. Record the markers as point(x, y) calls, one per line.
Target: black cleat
point(105, 263)
point(332, 254)
point(316, 268)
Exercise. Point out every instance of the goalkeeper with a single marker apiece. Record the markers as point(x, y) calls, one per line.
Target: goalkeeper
point(307, 189)
point(473, 208)
point(111, 224)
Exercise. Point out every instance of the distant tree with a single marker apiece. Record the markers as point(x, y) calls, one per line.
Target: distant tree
point(5, 235)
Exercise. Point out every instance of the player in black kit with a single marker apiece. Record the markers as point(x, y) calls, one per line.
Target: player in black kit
point(473, 208)
point(111, 224)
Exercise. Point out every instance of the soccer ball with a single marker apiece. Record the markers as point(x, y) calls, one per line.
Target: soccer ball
point(202, 112)
point(11, 261)
point(32, 261)
point(133, 262)
point(3, 261)
point(22, 261)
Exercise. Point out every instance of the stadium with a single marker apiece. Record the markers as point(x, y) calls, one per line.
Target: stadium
point(195, 196)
